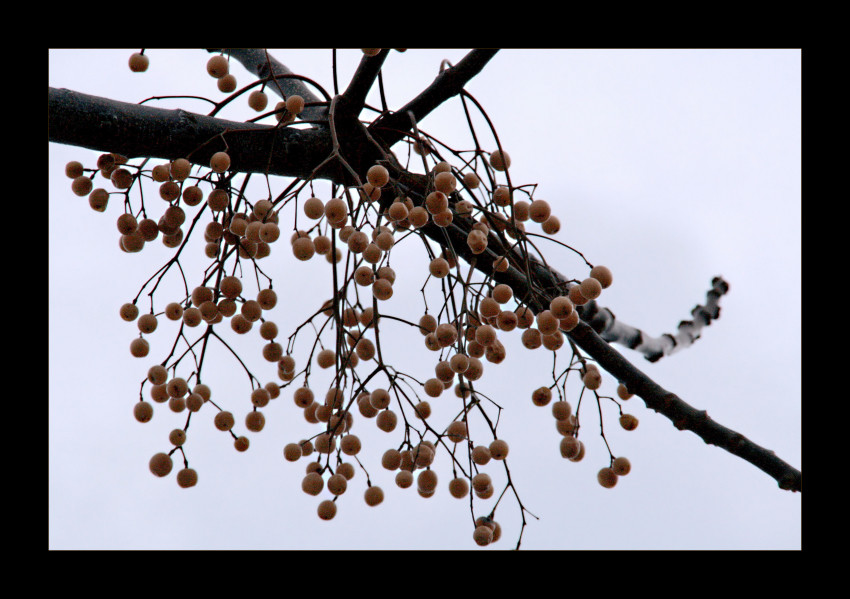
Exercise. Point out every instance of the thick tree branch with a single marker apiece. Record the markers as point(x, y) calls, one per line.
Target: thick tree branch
point(263, 65)
point(354, 97)
point(137, 130)
point(394, 126)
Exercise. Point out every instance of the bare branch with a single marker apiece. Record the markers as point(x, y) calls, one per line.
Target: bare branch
point(108, 125)
point(683, 415)
point(603, 321)
point(393, 127)
point(262, 64)
point(354, 97)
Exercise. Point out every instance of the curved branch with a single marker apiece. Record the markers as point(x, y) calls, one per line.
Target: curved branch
point(393, 127)
point(603, 321)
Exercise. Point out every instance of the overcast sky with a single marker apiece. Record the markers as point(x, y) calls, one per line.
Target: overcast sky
point(669, 167)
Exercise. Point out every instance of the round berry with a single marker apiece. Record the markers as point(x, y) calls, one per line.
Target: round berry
point(621, 466)
point(499, 449)
point(187, 477)
point(224, 421)
point(378, 176)
point(603, 275)
point(500, 160)
point(161, 464)
point(373, 496)
point(607, 478)
point(139, 62)
point(327, 510)
point(143, 411)
point(220, 162)
point(258, 100)
point(139, 347)
point(217, 66)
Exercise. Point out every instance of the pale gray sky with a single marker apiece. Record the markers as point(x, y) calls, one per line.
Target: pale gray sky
point(669, 167)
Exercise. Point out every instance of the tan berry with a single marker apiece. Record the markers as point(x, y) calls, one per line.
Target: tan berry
point(500, 160)
point(327, 510)
point(471, 180)
point(621, 466)
point(386, 421)
point(147, 323)
point(187, 477)
point(220, 162)
point(258, 100)
point(177, 437)
point(313, 483)
point(378, 176)
point(224, 421)
point(607, 478)
point(499, 449)
point(502, 293)
point(592, 379)
point(73, 169)
point(139, 348)
point(541, 396)
point(580, 455)
point(561, 307)
point(98, 199)
point(161, 464)
point(404, 479)
point(445, 182)
point(570, 447)
point(350, 445)
point(336, 210)
point(628, 422)
point(481, 455)
point(81, 186)
point(481, 481)
point(576, 296)
point(295, 104)
point(590, 288)
point(427, 480)
point(551, 225)
point(217, 66)
point(337, 484)
point(539, 210)
point(373, 496)
point(603, 275)
point(482, 535)
point(547, 323)
point(129, 312)
point(458, 488)
point(143, 411)
point(139, 62)
point(456, 431)
point(561, 410)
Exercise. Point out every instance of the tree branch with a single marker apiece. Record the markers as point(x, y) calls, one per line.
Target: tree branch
point(603, 321)
point(394, 126)
point(683, 415)
point(263, 65)
point(137, 130)
point(354, 97)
